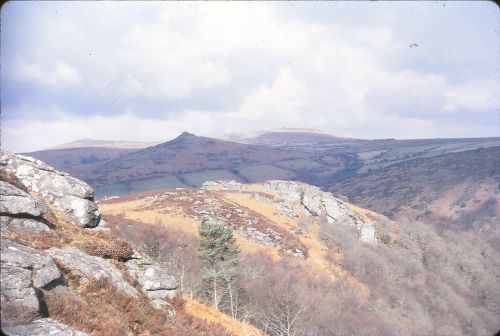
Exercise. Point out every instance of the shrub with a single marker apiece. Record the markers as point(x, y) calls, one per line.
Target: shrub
point(113, 248)
point(94, 242)
point(38, 240)
point(98, 308)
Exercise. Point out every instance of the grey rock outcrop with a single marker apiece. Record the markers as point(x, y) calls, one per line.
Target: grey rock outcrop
point(42, 327)
point(263, 238)
point(223, 185)
point(20, 211)
point(157, 283)
point(18, 295)
point(67, 194)
point(15, 224)
point(319, 203)
point(14, 201)
point(85, 267)
point(24, 270)
point(43, 268)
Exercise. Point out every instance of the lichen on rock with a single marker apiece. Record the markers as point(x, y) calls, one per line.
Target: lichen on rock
point(24, 270)
point(42, 327)
point(320, 203)
point(66, 194)
point(85, 267)
point(156, 282)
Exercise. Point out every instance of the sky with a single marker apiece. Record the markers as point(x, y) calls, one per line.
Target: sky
point(147, 71)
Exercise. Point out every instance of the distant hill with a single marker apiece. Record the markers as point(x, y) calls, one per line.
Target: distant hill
point(190, 160)
point(333, 265)
point(459, 190)
point(91, 143)
point(81, 157)
point(79, 162)
point(283, 136)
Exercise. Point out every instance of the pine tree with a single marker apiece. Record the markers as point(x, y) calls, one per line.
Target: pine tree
point(220, 258)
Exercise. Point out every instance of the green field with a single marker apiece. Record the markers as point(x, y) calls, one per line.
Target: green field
point(123, 188)
point(265, 172)
point(299, 164)
point(375, 160)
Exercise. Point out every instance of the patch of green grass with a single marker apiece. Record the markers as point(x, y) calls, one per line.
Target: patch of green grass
point(129, 187)
point(365, 156)
point(298, 164)
point(265, 172)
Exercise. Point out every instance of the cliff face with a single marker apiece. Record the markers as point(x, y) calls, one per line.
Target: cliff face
point(55, 246)
point(291, 198)
point(319, 203)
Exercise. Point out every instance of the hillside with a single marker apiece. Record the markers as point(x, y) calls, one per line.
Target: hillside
point(456, 190)
point(190, 160)
point(285, 136)
point(309, 263)
point(378, 154)
point(79, 162)
point(64, 273)
point(304, 250)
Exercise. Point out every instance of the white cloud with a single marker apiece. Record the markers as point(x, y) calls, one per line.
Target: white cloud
point(58, 74)
point(352, 75)
point(474, 96)
point(126, 126)
point(282, 99)
point(163, 63)
point(31, 134)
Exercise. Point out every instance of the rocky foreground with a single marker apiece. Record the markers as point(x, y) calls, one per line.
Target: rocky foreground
point(54, 242)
